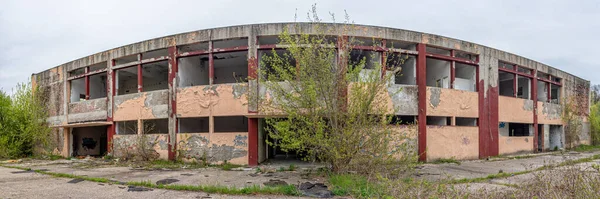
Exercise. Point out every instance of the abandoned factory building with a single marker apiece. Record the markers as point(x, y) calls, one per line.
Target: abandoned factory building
point(188, 94)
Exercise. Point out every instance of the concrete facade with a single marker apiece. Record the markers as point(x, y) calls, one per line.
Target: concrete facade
point(194, 76)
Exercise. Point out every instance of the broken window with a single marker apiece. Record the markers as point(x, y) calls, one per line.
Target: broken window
point(439, 51)
point(193, 47)
point(518, 129)
point(77, 90)
point(155, 76)
point(98, 86)
point(542, 91)
point(465, 77)
point(555, 94)
point(506, 84)
point(267, 71)
point(524, 70)
point(407, 73)
point(439, 121)
point(542, 75)
point(77, 72)
point(127, 80)
point(506, 66)
point(126, 59)
point(366, 41)
point(223, 124)
point(403, 120)
point(465, 55)
point(523, 87)
point(463, 121)
point(193, 71)
point(366, 59)
point(230, 67)
point(268, 40)
point(438, 73)
point(400, 45)
point(155, 54)
point(156, 126)
point(127, 127)
point(98, 66)
point(193, 125)
point(556, 79)
point(230, 43)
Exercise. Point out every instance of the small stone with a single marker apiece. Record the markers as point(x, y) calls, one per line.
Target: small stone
point(206, 176)
point(253, 175)
point(274, 183)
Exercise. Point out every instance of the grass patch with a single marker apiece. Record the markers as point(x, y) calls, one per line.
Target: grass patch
point(446, 161)
point(504, 175)
point(228, 166)
point(355, 185)
point(586, 148)
point(290, 190)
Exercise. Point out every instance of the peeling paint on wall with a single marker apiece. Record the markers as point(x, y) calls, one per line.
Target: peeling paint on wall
point(434, 99)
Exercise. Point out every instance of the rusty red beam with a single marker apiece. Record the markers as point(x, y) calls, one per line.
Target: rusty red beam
point(233, 49)
point(383, 59)
point(253, 141)
point(449, 58)
point(535, 115)
point(110, 131)
point(193, 53)
point(173, 111)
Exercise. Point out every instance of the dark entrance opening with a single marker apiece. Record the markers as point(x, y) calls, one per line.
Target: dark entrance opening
point(272, 153)
point(90, 141)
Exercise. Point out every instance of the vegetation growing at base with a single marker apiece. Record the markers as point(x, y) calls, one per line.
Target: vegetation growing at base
point(23, 128)
point(333, 107)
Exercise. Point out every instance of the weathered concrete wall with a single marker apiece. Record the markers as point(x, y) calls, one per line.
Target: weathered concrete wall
point(215, 100)
point(513, 145)
point(128, 144)
point(146, 105)
point(460, 143)
point(85, 111)
point(515, 110)
point(549, 113)
point(214, 147)
point(450, 102)
point(402, 99)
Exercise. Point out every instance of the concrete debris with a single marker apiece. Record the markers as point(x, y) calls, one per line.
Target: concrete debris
point(76, 180)
point(275, 183)
point(317, 190)
point(134, 188)
point(166, 181)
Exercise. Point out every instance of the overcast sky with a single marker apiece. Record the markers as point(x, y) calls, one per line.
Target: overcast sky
point(35, 36)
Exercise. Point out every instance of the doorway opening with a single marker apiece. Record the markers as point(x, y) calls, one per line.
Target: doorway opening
point(89, 141)
point(540, 138)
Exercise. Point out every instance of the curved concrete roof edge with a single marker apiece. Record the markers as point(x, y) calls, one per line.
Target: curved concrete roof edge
point(308, 23)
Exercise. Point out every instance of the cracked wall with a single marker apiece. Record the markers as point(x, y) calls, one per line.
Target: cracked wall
point(549, 113)
point(215, 100)
point(214, 147)
point(87, 111)
point(146, 105)
point(127, 145)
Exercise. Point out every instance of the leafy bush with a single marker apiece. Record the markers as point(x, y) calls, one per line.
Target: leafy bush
point(23, 127)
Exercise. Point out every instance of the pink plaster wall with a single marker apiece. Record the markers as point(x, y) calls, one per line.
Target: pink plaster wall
point(454, 103)
point(458, 142)
point(512, 109)
point(512, 145)
point(546, 118)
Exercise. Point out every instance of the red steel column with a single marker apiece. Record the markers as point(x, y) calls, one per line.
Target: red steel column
point(422, 92)
point(172, 138)
point(383, 57)
point(535, 115)
point(110, 92)
point(87, 83)
point(488, 118)
point(211, 63)
point(140, 76)
point(452, 70)
point(252, 141)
